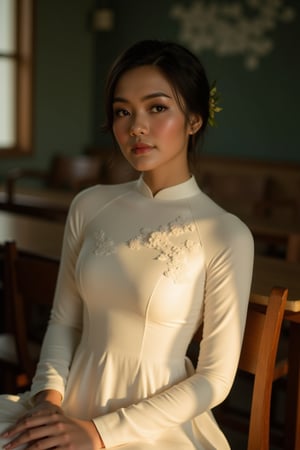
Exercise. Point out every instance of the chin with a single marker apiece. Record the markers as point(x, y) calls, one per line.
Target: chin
point(142, 166)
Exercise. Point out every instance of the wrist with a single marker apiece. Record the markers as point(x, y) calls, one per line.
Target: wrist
point(49, 395)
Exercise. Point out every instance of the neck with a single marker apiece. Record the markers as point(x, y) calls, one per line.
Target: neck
point(158, 182)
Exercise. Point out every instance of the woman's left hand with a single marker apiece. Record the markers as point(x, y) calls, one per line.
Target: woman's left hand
point(48, 428)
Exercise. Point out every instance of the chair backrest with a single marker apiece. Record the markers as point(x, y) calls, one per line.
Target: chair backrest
point(258, 356)
point(29, 285)
point(74, 172)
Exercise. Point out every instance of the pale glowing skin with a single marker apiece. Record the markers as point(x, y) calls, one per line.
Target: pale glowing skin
point(151, 128)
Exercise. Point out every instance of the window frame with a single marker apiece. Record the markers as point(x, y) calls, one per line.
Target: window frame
point(24, 57)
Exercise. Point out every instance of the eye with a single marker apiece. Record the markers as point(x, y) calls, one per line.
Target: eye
point(121, 112)
point(158, 108)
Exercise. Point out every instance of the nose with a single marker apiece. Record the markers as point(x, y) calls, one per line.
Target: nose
point(138, 127)
point(136, 131)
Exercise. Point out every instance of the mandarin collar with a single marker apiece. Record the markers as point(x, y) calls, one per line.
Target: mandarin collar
point(180, 191)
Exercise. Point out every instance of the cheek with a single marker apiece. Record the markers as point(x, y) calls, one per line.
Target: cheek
point(171, 128)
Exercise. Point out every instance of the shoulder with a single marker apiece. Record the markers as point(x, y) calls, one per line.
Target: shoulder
point(220, 230)
point(234, 231)
point(89, 201)
point(101, 193)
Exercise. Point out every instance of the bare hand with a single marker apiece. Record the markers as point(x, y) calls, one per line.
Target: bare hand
point(45, 426)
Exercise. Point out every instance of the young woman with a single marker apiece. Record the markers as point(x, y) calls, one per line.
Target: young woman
point(143, 265)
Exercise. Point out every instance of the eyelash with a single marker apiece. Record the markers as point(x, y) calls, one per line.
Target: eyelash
point(160, 108)
point(121, 112)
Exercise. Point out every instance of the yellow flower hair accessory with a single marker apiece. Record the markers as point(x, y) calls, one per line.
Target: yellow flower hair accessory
point(213, 104)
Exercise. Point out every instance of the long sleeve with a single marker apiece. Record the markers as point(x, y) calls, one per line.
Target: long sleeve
point(228, 247)
point(64, 328)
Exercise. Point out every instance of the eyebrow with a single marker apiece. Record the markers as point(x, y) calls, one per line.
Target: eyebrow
point(145, 97)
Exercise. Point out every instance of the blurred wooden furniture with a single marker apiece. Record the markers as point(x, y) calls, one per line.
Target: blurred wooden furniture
point(116, 169)
point(293, 248)
point(66, 172)
point(46, 203)
point(266, 272)
point(66, 176)
point(29, 284)
point(258, 357)
point(250, 188)
point(33, 235)
point(281, 234)
point(237, 193)
point(277, 182)
point(270, 271)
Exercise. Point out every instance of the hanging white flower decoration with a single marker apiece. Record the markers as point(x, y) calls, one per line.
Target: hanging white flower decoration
point(232, 28)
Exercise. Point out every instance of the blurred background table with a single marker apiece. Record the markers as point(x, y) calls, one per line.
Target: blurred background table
point(51, 204)
point(32, 234)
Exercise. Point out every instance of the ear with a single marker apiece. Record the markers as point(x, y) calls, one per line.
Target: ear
point(195, 123)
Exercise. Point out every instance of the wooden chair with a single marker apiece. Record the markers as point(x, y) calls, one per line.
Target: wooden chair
point(258, 356)
point(29, 284)
point(66, 172)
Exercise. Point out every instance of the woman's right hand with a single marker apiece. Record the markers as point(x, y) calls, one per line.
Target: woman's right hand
point(46, 425)
point(47, 401)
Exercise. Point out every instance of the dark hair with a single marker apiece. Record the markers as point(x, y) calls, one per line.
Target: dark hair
point(181, 67)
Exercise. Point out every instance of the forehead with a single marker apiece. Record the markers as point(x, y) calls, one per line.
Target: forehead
point(141, 81)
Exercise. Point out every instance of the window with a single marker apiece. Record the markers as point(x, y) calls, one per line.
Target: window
point(16, 66)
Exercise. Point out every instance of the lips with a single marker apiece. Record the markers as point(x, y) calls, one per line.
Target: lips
point(141, 148)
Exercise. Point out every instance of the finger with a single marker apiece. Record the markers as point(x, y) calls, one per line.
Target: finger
point(31, 421)
point(44, 411)
point(46, 443)
point(31, 436)
point(9, 430)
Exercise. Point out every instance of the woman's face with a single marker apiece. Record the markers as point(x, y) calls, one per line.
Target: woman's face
point(149, 125)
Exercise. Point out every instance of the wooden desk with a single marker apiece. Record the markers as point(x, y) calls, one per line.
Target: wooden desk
point(34, 196)
point(32, 234)
point(51, 204)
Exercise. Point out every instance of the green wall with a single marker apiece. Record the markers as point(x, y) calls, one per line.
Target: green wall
point(260, 117)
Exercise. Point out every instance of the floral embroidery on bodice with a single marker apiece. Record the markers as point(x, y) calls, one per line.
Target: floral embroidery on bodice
point(104, 245)
point(170, 242)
